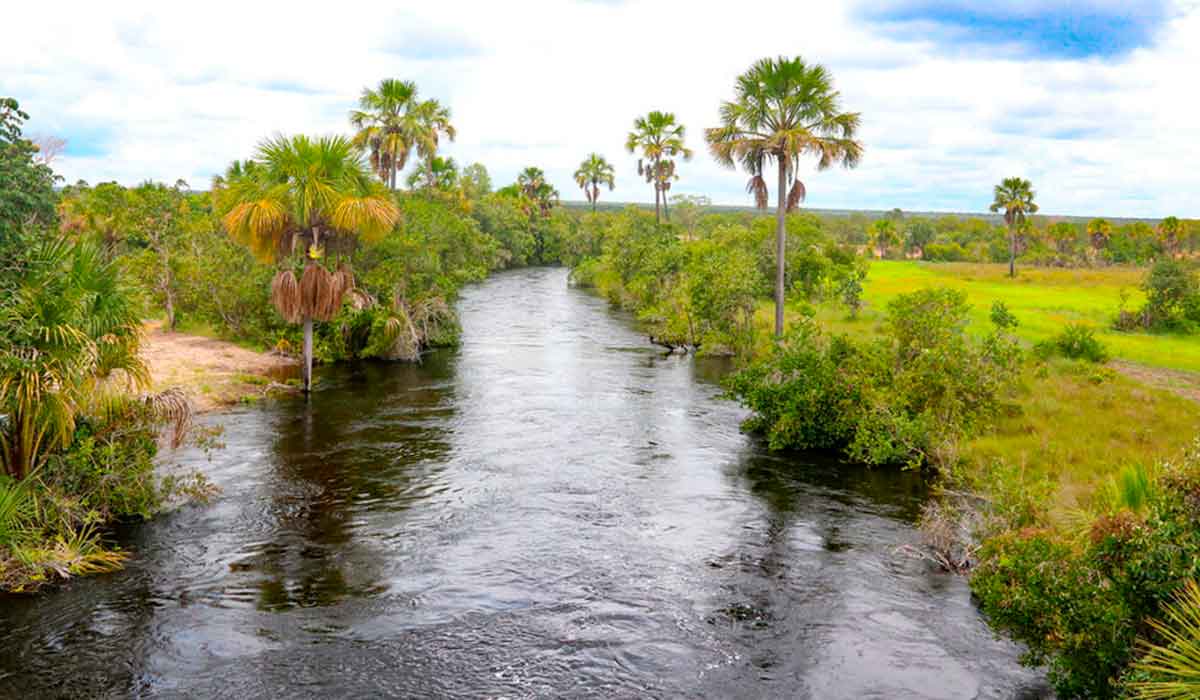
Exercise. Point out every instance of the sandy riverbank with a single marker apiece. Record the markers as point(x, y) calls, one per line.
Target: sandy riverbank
point(214, 373)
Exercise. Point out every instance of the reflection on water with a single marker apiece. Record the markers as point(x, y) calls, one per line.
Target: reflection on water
point(553, 509)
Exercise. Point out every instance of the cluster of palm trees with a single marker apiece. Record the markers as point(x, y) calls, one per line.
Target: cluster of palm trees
point(309, 196)
point(784, 110)
point(393, 123)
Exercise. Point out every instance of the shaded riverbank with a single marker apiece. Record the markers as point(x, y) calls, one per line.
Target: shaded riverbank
point(553, 509)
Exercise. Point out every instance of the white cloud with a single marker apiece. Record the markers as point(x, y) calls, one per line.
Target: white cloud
point(151, 90)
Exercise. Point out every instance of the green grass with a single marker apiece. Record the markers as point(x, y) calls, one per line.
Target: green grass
point(1044, 300)
point(1077, 424)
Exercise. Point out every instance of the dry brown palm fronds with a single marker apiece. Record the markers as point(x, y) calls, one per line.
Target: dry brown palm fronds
point(173, 407)
point(285, 295)
point(344, 277)
point(796, 195)
point(319, 293)
point(758, 187)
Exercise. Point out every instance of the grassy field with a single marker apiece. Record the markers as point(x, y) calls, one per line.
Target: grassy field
point(1074, 423)
point(1043, 299)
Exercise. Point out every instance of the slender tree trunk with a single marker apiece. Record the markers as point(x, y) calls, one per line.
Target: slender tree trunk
point(308, 353)
point(666, 209)
point(595, 196)
point(1012, 252)
point(780, 248)
point(657, 192)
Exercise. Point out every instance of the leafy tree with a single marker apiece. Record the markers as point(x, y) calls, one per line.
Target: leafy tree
point(475, 181)
point(919, 234)
point(593, 172)
point(162, 218)
point(1063, 234)
point(884, 235)
point(67, 324)
point(26, 186)
point(688, 210)
point(784, 109)
point(659, 139)
point(392, 123)
point(316, 194)
point(1014, 196)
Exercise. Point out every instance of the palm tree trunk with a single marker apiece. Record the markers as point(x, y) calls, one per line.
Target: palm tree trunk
point(595, 196)
point(657, 192)
point(666, 209)
point(1012, 252)
point(780, 247)
point(308, 353)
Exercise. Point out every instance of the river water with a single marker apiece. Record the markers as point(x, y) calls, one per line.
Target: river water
point(554, 509)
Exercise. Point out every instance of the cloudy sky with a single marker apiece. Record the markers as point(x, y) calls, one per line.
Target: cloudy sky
point(1096, 101)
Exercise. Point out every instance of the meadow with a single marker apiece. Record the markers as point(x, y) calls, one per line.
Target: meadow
point(1042, 299)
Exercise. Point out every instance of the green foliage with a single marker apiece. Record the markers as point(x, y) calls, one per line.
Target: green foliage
point(27, 195)
point(907, 397)
point(1080, 604)
point(1079, 342)
point(67, 324)
point(1171, 668)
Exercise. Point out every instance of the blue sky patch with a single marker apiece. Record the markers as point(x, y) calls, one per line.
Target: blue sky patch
point(1077, 29)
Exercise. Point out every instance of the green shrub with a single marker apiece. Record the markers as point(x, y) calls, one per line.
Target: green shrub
point(1079, 342)
point(1079, 604)
point(909, 397)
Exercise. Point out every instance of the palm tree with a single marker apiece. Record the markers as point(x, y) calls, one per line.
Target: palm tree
point(68, 328)
point(433, 121)
point(593, 172)
point(660, 140)
point(1099, 231)
point(1014, 196)
point(439, 174)
point(1170, 233)
point(386, 125)
point(314, 192)
point(392, 123)
point(541, 195)
point(784, 109)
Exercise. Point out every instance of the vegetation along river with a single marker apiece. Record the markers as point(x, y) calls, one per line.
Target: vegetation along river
point(552, 509)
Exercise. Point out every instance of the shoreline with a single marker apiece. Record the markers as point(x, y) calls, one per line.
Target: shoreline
point(215, 374)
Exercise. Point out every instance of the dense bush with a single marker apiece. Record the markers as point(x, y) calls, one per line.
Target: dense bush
point(908, 397)
point(1172, 290)
point(1080, 604)
point(1077, 342)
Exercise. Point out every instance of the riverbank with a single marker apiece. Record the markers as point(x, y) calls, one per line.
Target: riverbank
point(214, 373)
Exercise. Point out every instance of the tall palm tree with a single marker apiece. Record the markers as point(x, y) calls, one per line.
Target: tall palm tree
point(660, 140)
point(386, 125)
point(1013, 196)
point(784, 109)
point(593, 172)
point(313, 194)
point(392, 123)
point(433, 121)
point(884, 235)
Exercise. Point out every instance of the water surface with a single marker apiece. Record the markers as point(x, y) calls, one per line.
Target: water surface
point(554, 509)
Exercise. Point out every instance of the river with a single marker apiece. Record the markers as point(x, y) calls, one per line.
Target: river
point(553, 509)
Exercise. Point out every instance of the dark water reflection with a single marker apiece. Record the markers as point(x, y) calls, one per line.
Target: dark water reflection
point(552, 510)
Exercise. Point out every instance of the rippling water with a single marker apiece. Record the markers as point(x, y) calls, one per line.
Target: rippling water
point(554, 509)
